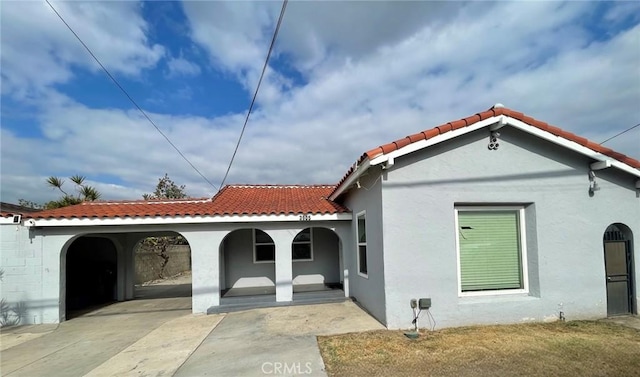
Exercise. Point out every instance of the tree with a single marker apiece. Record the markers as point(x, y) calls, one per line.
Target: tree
point(29, 204)
point(165, 189)
point(85, 193)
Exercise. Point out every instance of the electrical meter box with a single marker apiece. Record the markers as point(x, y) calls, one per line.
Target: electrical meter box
point(424, 303)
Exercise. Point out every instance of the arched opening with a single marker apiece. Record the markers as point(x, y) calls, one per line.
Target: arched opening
point(90, 274)
point(247, 263)
point(162, 265)
point(618, 257)
point(98, 269)
point(316, 260)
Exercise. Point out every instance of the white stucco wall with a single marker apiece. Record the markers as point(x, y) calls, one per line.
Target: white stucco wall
point(565, 227)
point(34, 265)
point(370, 290)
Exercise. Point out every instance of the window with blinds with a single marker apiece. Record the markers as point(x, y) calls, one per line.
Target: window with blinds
point(490, 250)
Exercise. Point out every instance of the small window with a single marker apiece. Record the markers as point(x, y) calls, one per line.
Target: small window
point(362, 245)
point(302, 246)
point(264, 250)
point(491, 250)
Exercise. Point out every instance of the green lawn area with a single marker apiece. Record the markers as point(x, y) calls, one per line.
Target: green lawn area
point(577, 348)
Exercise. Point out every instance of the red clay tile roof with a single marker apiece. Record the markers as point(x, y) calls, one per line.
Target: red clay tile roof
point(231, 200)
point(494, 111)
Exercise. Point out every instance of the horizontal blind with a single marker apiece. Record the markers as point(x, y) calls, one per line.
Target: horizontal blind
point(489, 250)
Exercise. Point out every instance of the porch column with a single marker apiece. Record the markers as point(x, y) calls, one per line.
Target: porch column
point(120, 241)
point(52, 308)
point(129, 266)
point(347, 251)
point(282, 239)
point(205, 267)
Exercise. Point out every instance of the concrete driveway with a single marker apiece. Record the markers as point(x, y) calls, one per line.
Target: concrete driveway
point(159, 337)
point(274, 341)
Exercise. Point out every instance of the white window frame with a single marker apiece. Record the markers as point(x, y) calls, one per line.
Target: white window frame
point(358, 244)
point(310, 242)
point(523, 250)
point(255, 244)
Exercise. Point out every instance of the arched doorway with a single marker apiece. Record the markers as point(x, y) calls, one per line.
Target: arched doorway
point(247, 263)
point(91, 274)
point(316, 260)
point(618, 257)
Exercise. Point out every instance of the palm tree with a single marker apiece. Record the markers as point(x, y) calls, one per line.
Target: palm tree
point(86, 193)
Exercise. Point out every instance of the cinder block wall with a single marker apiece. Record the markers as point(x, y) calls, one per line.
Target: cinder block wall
point(21, 285)
point(148, 263)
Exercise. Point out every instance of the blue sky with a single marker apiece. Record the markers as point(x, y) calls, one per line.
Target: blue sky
point(344, 77)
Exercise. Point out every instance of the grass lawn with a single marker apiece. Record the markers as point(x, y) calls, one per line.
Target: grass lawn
point(577, 348)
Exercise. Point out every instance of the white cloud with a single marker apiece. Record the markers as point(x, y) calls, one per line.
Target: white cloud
point(360, 93)
point(38, 50)
point(182, 67)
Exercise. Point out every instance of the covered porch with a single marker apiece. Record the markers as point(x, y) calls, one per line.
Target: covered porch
point(276, 263)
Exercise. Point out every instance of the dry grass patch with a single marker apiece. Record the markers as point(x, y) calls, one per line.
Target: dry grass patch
point(578, 348)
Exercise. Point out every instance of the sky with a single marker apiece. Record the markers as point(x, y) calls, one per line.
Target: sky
point(344, 78)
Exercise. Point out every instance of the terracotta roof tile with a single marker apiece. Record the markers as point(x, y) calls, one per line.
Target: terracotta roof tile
point(494, 111)
point(458, 124)
point(231, 200)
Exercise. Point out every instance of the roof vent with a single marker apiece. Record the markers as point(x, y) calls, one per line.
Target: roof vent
point(498, 106)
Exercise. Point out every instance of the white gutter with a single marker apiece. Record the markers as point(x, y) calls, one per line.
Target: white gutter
point(351, 179)
point(186, 220)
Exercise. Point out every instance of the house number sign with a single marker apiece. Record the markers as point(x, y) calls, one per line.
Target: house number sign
point(305, 217)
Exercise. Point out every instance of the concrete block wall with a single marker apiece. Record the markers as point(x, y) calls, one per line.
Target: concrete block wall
point(148, 263)
point(21, 264)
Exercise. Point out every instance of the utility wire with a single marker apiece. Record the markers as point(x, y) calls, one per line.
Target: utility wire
point(625, 131)
point(255, 94)
point(129, 97)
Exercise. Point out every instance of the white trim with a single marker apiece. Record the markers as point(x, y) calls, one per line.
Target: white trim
point(255, 261)
point(310, 242)
point(600, 165)
point(362, 214)
point(185, 220)
point(351, 179)
point(434, 140)
point(494, 123)
point(523, 250)
point(573, 146)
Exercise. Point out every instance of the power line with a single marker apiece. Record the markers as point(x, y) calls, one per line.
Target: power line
point(255, 94)
point(129, 97)
point(625, 131)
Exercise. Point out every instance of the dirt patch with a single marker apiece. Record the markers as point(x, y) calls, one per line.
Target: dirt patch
point(578, 348)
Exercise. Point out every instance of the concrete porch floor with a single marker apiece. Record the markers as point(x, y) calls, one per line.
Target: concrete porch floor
point(239, 303)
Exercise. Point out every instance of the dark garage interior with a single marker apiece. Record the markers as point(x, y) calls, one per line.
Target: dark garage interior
point(91, 278)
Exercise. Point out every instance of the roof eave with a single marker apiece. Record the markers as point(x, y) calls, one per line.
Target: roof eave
point(351, 179)
point(185, 220)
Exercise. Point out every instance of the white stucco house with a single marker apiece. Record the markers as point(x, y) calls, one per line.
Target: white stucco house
point(497, 218)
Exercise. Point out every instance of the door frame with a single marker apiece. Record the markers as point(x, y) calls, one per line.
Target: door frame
point(619, 232)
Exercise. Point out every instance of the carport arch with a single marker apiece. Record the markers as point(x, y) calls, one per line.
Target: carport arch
point(120, 286)
point(172, 266)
